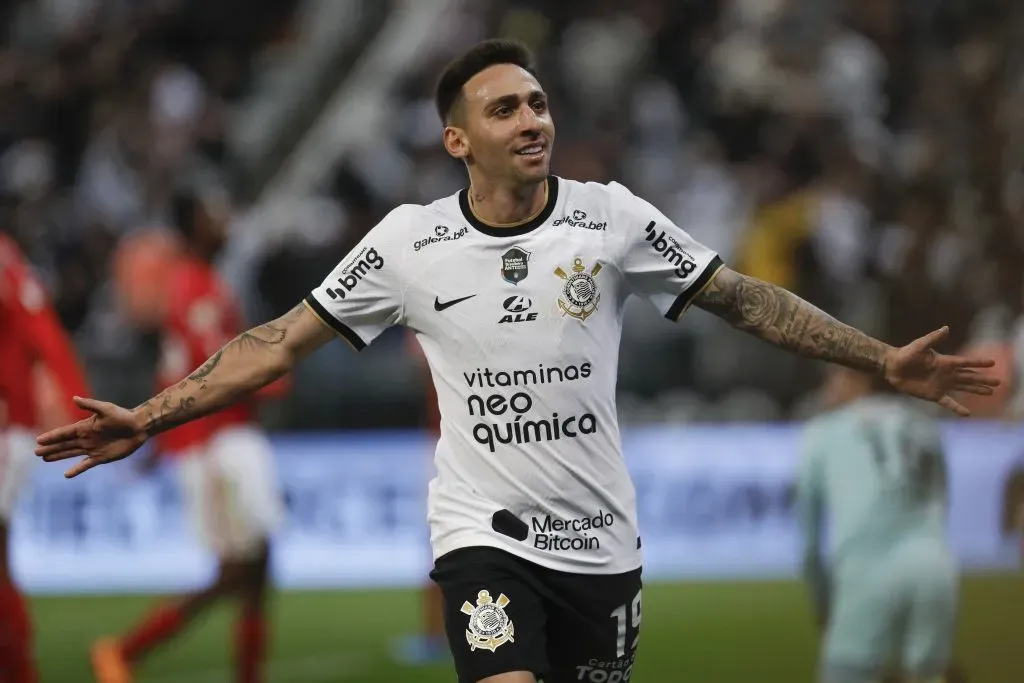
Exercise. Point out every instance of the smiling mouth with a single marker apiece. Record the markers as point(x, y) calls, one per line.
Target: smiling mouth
point(532, 151)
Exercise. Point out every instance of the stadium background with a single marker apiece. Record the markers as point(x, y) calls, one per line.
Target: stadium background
point(867, 155)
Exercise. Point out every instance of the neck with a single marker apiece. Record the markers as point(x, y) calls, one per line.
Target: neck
point(500, 205)
point(846, 398)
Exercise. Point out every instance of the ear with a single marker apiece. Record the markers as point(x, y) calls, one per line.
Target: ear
point(456, 142)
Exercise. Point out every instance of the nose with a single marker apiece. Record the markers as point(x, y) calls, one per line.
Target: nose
point(529, 121)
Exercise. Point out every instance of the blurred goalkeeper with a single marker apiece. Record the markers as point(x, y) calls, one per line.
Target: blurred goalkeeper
point(889, 595)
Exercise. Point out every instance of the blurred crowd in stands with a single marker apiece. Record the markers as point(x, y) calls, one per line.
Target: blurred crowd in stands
point(867, 154)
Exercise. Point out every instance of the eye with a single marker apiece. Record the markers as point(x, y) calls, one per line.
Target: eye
point(540, 105)
point(503, 110)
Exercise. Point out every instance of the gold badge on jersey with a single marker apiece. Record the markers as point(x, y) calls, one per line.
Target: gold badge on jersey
point(579, 293)
point(489, 625)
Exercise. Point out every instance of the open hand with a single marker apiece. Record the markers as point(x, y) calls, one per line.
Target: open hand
point(918, 370)
point(110, 434)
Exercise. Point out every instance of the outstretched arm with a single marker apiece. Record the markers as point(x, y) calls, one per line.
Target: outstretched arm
point(787, 321)
point(250, 361)
point(247, 363)
point(778, 316)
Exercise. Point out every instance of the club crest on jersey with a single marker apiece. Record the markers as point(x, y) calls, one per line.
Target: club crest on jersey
point(515, 265)
point(489, 625)
point(579, 293)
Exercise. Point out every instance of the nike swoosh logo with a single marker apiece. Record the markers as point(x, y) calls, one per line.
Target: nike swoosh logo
point(438, 306)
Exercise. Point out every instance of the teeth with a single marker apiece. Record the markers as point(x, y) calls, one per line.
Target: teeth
point(530, 150)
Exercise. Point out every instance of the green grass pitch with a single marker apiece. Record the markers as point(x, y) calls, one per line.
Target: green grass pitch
point(699, 632)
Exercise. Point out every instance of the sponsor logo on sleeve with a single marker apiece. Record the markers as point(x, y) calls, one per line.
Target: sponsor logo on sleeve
point(358, 268)
point(669, 249)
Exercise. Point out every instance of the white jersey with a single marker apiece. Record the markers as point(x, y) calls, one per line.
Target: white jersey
point(521, 327)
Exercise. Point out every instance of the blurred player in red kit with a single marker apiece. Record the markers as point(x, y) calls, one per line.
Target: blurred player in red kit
point(429, 646)
point(224, 460)
point(39, 373)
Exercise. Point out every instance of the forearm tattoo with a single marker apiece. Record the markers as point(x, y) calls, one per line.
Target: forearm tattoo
point(784, 319)
point(182, 402)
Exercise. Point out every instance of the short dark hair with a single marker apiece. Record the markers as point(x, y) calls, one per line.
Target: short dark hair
point(477, 58)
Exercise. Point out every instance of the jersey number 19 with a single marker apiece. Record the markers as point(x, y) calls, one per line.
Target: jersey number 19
point(620, 616)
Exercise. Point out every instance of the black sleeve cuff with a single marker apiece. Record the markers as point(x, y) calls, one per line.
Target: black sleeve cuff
point(341, 328)
point(684, 300)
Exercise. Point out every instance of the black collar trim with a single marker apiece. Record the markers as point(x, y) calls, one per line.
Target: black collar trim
point(516, 230)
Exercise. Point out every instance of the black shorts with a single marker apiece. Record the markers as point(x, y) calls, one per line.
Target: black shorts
point(503, 613)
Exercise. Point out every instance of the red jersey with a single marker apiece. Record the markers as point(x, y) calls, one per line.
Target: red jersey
point(202, 316)
point(31, 334)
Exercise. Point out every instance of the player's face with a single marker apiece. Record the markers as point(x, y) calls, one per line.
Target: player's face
point(506, 131)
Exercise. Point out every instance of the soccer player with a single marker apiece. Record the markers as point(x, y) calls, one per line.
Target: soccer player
point(876, 467)
point(39, 372)
point(515, 289)
point(224, 460)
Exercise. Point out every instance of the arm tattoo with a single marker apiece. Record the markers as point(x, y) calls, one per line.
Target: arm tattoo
point(167, 415)
point(200, 375)
point(268, 334)
point(784, 319)
point(179, 404)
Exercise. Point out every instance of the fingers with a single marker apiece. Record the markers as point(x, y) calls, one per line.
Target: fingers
point(968, 362)
point(975, 378)
point(83, 465)
point(976, 389)
point(59, 435)
point(92, 405)
point(969, 377)
point(929, 340)
point(969, 381)
point(60, 451)
point(949, 403)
